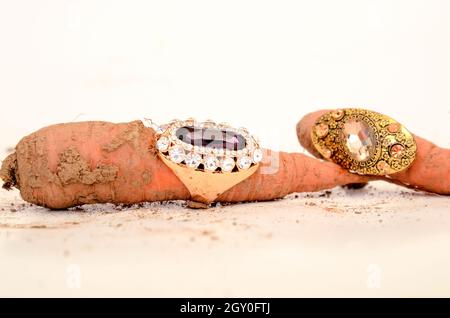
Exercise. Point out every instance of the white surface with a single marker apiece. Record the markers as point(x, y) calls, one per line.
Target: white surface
point(381, 241)
point(260, 64)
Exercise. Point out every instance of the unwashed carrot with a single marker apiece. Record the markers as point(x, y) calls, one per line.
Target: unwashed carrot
point(66, 165)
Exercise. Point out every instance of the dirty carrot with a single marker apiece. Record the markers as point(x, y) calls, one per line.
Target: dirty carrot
point(71, 164)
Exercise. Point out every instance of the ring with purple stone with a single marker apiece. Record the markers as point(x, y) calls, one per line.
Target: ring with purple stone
point(208, 157)
point(364, 141)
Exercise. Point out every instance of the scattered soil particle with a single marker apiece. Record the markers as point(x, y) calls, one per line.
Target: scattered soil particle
point(196, 205)
point(331, 209)
point(210, 234)
point(38, 226)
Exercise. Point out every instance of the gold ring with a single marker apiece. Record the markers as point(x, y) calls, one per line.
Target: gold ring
point(208, 158)
point(363, 141)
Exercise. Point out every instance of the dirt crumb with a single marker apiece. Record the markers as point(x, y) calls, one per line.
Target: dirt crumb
point(8, 172)
point(196, 205)
point(38, 226)
point(130, 135)
point(72, 168)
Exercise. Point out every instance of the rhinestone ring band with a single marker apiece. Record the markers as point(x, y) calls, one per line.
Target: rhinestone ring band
point(209, 158)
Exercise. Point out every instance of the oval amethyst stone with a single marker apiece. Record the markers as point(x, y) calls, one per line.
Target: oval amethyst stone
point(211, 138)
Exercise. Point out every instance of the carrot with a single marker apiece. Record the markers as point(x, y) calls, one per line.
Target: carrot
point(430, 170)
point(66, 165)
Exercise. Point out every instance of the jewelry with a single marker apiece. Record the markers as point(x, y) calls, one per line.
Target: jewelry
point(364, 141)
point(208, 158)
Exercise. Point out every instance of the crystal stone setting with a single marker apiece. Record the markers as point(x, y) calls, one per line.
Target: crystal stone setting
point(211, 163)
point(397, 151)
point(322, 130)
point(163, 144)
point(383, 166)
point(338, 114)
point(177, 154)
point(257, 155)
point(193, 160)
point(393, 128)
point(358, 139)
point(227, 164)
point(244, 162)
point(207, 146)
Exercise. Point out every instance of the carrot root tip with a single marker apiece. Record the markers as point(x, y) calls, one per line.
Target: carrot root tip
point(8, 172)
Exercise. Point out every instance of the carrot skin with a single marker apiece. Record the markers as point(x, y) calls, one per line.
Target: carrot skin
point(66, 165)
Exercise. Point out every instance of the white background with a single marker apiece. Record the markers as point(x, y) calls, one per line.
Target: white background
point(260, 64)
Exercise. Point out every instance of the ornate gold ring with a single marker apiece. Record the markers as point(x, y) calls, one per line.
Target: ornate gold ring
point(364, 141)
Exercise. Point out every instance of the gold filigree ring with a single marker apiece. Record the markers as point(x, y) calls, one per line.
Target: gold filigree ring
point(208, 158)
point(363, 141)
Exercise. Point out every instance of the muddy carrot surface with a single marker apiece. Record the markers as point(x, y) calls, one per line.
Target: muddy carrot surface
point(71, 164)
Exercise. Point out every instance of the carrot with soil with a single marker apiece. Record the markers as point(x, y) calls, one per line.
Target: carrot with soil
point(66, 165)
